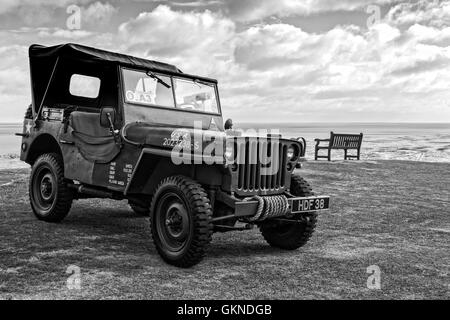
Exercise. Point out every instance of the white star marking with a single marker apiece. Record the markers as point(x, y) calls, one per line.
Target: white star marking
point(28, 127)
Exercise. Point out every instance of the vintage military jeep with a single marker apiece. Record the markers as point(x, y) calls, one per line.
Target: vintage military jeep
point(106, 125)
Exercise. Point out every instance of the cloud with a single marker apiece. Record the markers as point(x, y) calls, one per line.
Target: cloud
point(277, 45)
point(14, 82)
point(11, 5)
point(196, 4)
point(63, 34)
point(391, 71)
point(98, 14)
point(10, 56)
point(429, 35)
point(195, 40)
point(383, 69)
point(433, 13)
point(252, 10)
point(18, 82)
point(41, 13)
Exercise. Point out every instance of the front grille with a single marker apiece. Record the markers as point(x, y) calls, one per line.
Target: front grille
point(260, 165)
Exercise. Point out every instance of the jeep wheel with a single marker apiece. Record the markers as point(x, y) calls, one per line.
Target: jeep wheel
point(139, 209)
point(292, 235)
point(50, 197)
point(181, 221)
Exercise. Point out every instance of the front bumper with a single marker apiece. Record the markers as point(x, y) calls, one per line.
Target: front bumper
point(248, 208)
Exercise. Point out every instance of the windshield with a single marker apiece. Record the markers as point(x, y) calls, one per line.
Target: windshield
point(195, 95)
point(152, 89)
point(147, 89)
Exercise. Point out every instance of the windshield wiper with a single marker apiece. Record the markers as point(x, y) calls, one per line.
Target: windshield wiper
point(154, 76)
point(198, 81)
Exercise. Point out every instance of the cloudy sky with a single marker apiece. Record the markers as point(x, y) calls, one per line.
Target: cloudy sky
point(276, 60)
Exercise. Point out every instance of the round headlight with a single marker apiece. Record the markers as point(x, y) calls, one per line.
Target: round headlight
point(292, 152)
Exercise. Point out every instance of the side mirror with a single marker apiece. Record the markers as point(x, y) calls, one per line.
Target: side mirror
point(107, 117)
point(228, 124)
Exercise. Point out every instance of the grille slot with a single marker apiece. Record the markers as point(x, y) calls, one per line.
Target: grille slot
point(261, 164)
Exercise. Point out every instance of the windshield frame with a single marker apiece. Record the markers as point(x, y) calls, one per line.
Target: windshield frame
point(171, 77)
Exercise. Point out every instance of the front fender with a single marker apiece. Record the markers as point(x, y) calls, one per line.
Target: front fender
point(154, 164)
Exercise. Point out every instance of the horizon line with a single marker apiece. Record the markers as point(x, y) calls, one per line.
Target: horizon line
point(306, 122)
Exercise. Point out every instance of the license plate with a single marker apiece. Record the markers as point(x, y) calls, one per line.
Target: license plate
point(309, 204)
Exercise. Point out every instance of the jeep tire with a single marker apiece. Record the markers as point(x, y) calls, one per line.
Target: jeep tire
point(180, 221)
point(50, 197)
point(292, 235)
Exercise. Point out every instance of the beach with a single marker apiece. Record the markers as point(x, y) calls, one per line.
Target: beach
point(10, 146)
point(426, 142)
point(393, 215)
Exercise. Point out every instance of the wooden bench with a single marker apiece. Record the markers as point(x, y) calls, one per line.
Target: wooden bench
point(339, 141)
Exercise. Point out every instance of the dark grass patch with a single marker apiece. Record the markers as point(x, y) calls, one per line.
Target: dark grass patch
point(392, 214)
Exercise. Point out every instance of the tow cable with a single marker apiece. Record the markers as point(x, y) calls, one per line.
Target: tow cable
point(270, 207)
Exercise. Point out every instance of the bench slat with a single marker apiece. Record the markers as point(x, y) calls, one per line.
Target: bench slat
point(345, 141)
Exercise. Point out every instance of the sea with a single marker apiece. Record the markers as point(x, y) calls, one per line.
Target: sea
point(426, 142)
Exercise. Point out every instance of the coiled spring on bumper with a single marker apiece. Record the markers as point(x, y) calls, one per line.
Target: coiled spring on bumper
point(270, 207)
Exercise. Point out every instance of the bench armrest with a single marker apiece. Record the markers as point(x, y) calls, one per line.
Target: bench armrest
point(318, 141)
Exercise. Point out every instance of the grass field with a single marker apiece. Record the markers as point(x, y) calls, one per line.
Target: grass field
point(392, 214)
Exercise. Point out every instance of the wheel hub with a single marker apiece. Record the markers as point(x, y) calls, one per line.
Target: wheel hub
point(44, 188)
point(176, 222)
point(47, 187)
point(173, 222)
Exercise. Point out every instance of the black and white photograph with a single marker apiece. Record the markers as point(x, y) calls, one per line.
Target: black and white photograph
point(225, 154)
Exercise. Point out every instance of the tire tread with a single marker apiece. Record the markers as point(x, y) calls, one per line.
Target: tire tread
point(298, 236)
point(64, 197)
point(202, 212)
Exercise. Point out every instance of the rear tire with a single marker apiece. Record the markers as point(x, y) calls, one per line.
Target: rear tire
point(181, 221)
point(291, 236)
point(50, 197)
